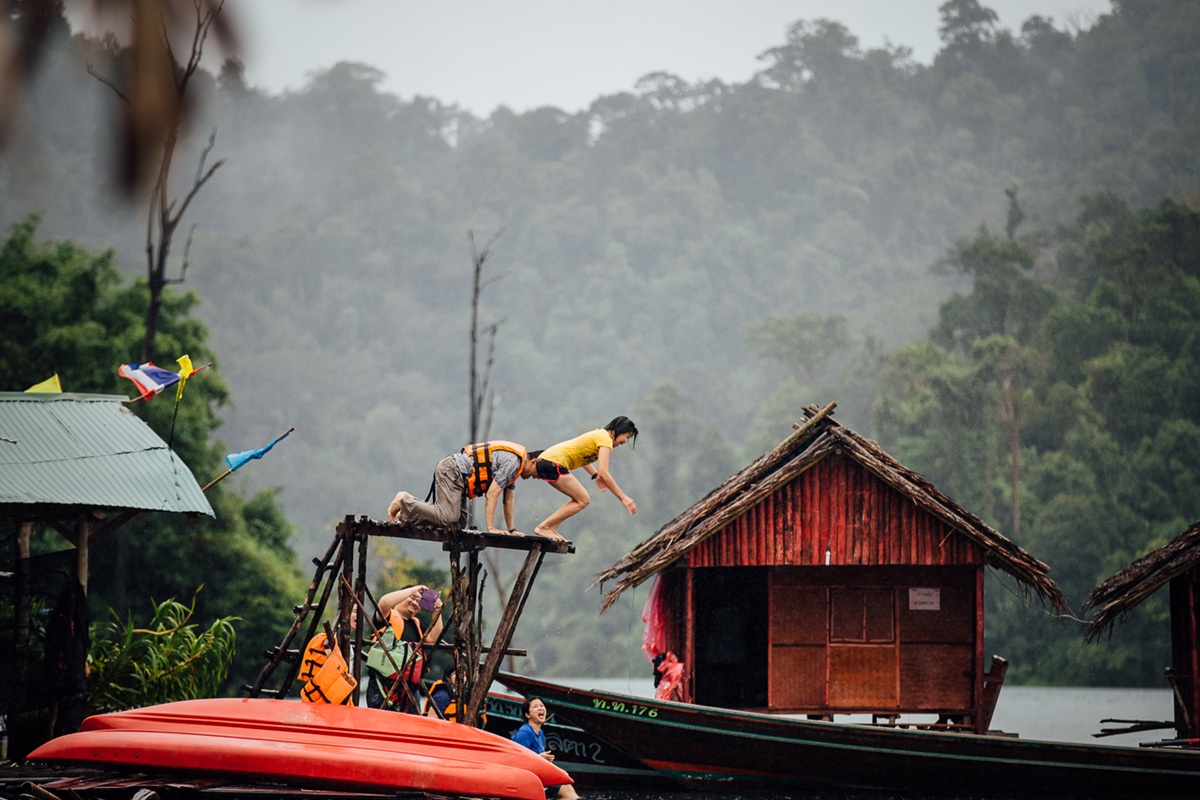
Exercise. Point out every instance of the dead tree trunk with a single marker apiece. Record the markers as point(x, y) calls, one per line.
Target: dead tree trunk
point(154, 101)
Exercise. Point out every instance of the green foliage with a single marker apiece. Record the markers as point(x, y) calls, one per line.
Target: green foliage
point(803, 343)
point(64, 310)
point(1095, 400)
point(395, 569)
point(168, 659)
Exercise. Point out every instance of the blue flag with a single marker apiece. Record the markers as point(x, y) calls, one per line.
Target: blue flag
point(235, 460)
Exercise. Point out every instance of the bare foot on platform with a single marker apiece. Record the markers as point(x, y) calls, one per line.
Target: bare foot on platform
point(394, 508)
point(549, 533)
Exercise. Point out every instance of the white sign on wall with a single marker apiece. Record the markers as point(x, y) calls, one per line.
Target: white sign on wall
point(923, 599)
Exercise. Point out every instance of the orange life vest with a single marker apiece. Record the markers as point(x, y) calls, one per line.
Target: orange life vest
point(480, 476)
point(325, 675)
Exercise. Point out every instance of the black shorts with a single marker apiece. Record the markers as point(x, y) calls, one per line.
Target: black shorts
point(548, 470)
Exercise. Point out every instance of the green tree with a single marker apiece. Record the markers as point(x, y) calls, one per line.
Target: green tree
point(65, 310)
point(804, 342)
point(1088, 395)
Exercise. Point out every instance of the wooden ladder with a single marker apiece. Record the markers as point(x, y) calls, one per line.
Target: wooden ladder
point(345, 565)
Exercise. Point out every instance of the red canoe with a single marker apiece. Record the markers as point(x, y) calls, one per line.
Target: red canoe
point(309, 745)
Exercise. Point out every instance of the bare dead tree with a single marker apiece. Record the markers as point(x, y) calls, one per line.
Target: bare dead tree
point(483, 399)
point(154, 101)
point(480, 389)
point(149, 82)
point(164, 212)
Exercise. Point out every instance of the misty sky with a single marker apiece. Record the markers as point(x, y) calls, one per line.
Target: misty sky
point(525, 54)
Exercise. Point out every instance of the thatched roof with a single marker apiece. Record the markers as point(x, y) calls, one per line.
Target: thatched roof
point(1122, 592)
point(818, 437)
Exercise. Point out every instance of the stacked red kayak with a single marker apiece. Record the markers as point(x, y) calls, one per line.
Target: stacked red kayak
point(308, 745)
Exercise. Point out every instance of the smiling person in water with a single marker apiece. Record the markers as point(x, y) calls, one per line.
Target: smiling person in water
point(590, 451)
point(532, 736)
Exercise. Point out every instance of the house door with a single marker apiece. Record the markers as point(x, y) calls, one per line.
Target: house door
point(863, 659)
point(730, 627)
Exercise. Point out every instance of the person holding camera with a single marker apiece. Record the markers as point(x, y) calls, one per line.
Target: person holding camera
point(394, 682)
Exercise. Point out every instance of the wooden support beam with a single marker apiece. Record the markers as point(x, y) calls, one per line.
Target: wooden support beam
point(504, 632)
point(476, 663)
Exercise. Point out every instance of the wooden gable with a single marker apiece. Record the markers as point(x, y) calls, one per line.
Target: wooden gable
point(840, 509)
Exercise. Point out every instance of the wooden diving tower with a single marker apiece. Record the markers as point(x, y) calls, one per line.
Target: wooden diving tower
point(344, 566)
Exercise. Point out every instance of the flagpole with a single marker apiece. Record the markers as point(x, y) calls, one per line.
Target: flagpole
point(224, 474)
point(178, 397)
point(216, 479)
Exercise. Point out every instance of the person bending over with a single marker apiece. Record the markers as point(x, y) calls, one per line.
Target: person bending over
point(590, 451)
point(488, 469)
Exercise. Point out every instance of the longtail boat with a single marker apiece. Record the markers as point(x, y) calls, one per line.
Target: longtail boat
point(592, 762)
point(707, 748)
point(309, 746)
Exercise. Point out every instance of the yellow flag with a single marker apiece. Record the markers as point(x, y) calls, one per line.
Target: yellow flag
point(185, 372)
point(48, 386)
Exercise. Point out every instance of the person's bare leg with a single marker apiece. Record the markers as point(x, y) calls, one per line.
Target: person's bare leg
point(570, 486)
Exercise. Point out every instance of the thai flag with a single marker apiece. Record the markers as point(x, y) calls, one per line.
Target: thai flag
point(149, 379)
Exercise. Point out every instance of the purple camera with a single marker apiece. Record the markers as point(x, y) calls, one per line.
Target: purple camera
point(429, 598)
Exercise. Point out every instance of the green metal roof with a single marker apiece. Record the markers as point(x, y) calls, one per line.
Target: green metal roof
point(89, 450)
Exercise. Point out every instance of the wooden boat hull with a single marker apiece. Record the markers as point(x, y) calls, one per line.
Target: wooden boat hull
point(592, 762)
point(730, 751)
point(312, 745)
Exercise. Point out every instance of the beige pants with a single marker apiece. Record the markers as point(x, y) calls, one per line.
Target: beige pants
point(447, 508)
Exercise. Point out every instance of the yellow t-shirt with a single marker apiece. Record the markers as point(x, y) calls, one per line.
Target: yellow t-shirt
point(574, 453)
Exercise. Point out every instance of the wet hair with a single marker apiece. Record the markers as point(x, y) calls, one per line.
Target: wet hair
point(528, 702)
point(533, 454)
point(621, 425)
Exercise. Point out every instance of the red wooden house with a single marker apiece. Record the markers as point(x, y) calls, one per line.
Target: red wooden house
point(1176, 564)
point(827, 578)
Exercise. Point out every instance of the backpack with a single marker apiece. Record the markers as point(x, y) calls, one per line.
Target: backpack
point(387, 659)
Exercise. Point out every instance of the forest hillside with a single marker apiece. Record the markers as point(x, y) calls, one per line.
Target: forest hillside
point(846, 226)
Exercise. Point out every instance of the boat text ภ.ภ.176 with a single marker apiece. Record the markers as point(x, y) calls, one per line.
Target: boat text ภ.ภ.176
point(624, 708)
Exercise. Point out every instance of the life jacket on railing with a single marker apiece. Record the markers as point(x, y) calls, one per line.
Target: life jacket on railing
point(325, 677)
point(480, 476)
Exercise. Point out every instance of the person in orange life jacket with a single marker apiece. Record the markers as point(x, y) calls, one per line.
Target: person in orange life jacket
point(489, 469)
point(530, 735)
point(444, 693)
point(399, 609)
point(555, 463)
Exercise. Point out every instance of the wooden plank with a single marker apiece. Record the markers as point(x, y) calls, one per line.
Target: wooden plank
point(464, 539)
point(797, 678)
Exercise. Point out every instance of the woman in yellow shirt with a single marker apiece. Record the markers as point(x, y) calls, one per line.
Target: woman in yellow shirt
point(590, 451)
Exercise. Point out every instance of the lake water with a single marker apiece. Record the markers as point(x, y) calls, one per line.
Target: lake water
point(1056, 714)
point(1032, 712)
